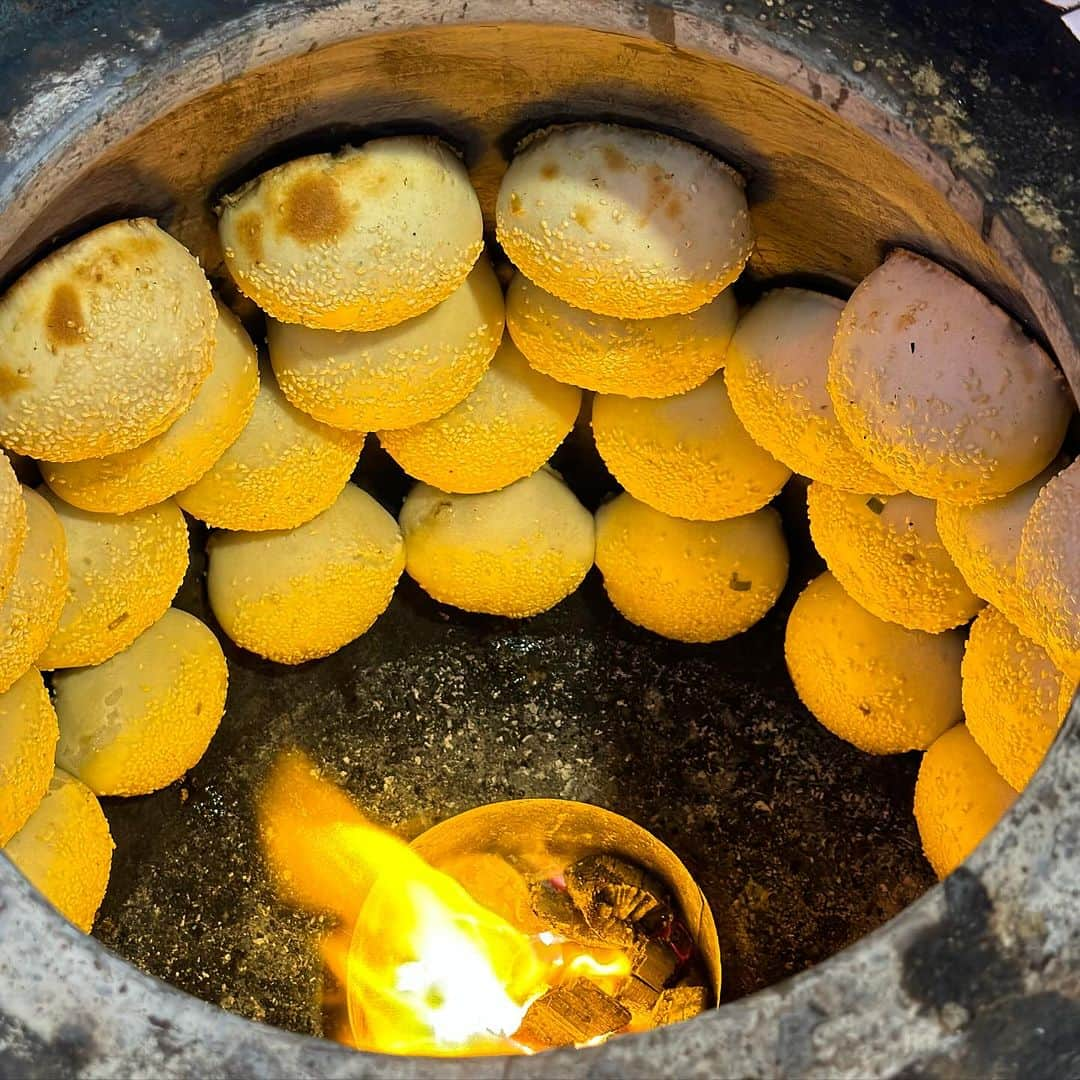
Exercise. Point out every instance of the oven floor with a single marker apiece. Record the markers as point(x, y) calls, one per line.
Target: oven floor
point(800, 842)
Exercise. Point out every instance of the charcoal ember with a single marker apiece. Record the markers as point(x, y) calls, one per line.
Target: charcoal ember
point(654, 963)
point(680, 1003)
point(560, 914)
point(576, 1012)
point(610, 891)
point(639, 997)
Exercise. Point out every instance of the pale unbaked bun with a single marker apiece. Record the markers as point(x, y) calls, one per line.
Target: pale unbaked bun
point(776, 369)
point(687, 455)
point(103, 344)
point(514, 552)
point(1013, 697)
point(281, 470)
point(399, 376)
point(877, 685)
point(959, 798)
point(177, 457)
point(297, 595)
point(509, 425)
point(12, 524)
point(1048, 569)
point(123, 571)
point(623, 222)
point(31, 613)
point(886, 552)
point(65, 850)
point(357, 240)
point(940, 389)
point(27, 742)
point(984, 540)
point(690, 580)
point(140, 720)
point(636, 357)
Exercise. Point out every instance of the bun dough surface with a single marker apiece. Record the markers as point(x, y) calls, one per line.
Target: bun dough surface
point(175, 459)
point(141, 719)
point(940, 388)
point(776, 370)
point(623, 222)
point(103, 344)
point(874, 684)
point(28, 735)
point(298, 595)
point(692, 581)
point(647, 358)
point(123, 571)
point(13, 525)
point(358, 240)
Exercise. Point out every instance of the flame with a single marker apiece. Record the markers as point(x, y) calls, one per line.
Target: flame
point(424, 967)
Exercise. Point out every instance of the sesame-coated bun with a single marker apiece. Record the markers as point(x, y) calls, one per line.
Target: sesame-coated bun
point(959, 798)
point(31, 613)
point(688, 455)
point(398, 376)
point(103, 344)
point(690, 580)
point(514, 552)
point(27, 743)
point(940, 388)
point(65, 850)
point(623, 222)
point(506, 428)
point(357, 240)
point(297, 595)
point(636, 357)
point(877, 685)
point(1048, 569)
point(140, 720)
point(280, 471)
point(984, 540)
point(13, 524)
point(175, 459)
point(886, 552)
point(1013, 699)
point(123, 571)
point(776, 369)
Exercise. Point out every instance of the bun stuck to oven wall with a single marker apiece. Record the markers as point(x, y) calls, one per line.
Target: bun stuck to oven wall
point(12, 524)
point(28, 734)
point(357, 240)
point(623, 222)
point(940, 389)
point(103, 344)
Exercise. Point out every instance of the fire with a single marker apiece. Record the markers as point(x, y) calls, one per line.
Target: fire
point(426, 969)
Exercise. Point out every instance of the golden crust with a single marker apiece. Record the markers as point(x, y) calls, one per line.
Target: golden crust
point(344, 565)
point(358, 240)
point(123, 571)
point(877, 685)
point(399, 376)
point(506, 428)
point(31, 613)
point(1014, 700)
point(690, 580)
point(651, 358)
point(886, 552)
point(141, 719)
point(959, 798)
point(13, 526)
point(688, 455)
point(1048, 569)
point(179, 456)
point(103, 344)
point(281, 470)
point(776, 370)
point(513, 552)
point(65, 850)
point(623, 222)
point(27, 740)
point(940, 389)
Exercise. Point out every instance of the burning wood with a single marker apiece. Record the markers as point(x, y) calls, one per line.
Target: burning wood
point(575, 1013)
